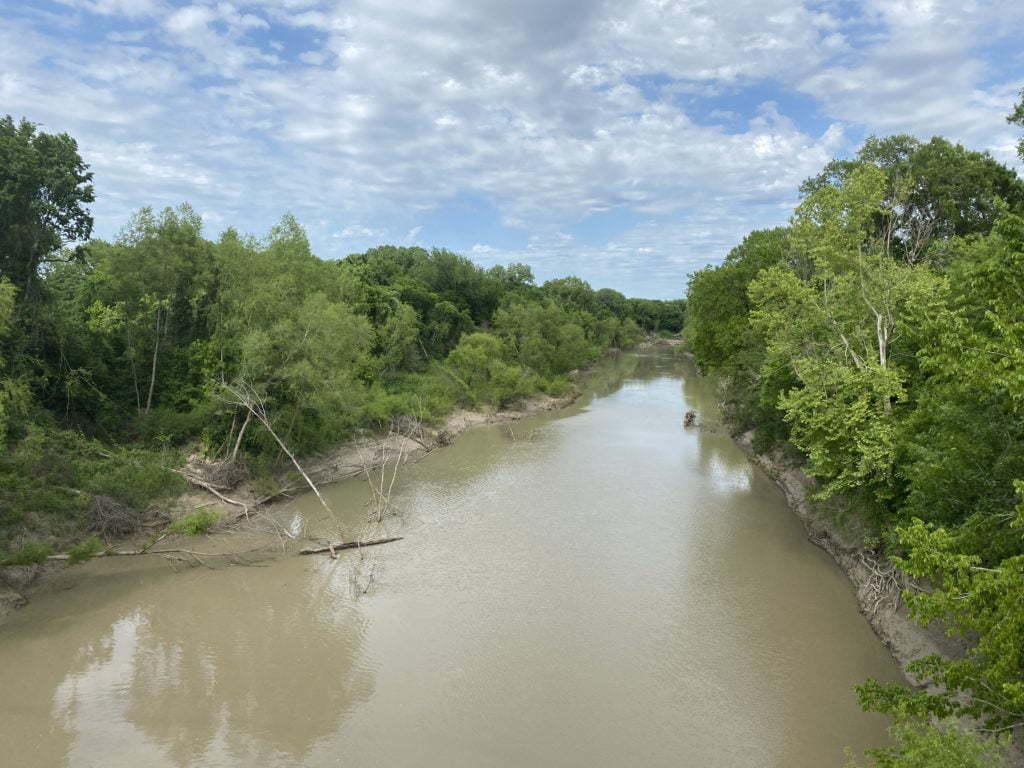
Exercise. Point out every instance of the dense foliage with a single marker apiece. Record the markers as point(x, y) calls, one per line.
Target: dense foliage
point(880, 339)
point(115, 357)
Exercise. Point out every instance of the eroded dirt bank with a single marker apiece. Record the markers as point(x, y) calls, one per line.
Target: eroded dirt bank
point(874, 580)
point(877, 592)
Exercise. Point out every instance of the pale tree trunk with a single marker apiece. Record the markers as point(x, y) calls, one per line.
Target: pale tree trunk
point(152, 375)
point(241, 434)
point(251, 402)
point(135, 373)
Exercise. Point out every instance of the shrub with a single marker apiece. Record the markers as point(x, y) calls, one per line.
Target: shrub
point(29, 553)
point(84, 550)
point(195, 524)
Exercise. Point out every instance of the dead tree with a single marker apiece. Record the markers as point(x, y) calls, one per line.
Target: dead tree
point(246, 396)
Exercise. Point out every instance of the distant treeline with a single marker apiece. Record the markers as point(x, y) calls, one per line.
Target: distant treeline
point(115, 357)
point(879, 339)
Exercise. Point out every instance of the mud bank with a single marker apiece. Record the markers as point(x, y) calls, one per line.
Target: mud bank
point(879, 601)
point(906, 639)
point(253, 502)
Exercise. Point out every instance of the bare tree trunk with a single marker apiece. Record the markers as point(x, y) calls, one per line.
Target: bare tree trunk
point(246, 400)
point(241, 434)
point(152, 375)
point(135, 374)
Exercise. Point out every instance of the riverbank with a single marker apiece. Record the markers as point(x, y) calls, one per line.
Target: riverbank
point(877, 584)
point(247, 503)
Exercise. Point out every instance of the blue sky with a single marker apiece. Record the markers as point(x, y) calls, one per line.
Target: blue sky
point(628, 142)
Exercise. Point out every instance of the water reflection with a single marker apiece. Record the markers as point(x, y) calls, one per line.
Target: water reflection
point(210, 668)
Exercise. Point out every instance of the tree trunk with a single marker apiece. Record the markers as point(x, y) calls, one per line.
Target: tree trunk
point(261, 417)
point(152, 375)
point(241, 433)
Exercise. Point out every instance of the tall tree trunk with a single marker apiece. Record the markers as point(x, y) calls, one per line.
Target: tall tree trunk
point(241, 433)
point(135, 374)
point(152, 375)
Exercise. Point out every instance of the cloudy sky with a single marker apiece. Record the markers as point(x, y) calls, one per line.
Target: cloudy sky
point(629, 142)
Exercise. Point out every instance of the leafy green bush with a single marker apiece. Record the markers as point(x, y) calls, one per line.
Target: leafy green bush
point(477, 363)
point(85, 550)
point(49, 478)
point(921, 745)
point(29, 553)
point(195, 524)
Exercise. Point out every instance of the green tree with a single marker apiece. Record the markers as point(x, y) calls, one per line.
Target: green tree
point(44, 188)
point(846, 332)
point(149, 290)
point(544, 337)
point(933, 190)
point(478, 362)
point(718, 304)
point(1016, 117)
point(12, 394)
point(922, 745)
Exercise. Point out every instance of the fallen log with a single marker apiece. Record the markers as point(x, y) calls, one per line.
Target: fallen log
point(212, 489)
point(347, 545)
point(141, 552)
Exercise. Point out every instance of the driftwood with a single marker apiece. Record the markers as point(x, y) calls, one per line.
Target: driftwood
point(212, 489)
point(348, 545)
point(141, 552)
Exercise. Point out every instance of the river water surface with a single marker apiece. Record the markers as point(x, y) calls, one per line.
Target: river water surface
point(596, 587)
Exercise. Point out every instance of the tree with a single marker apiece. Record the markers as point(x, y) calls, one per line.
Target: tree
point(12, 394)
point(845, 331)
point(923, 745)
point(1016, 117)
point(44, 188)
point(544, 338)
point(148, 289)
point(933, 191)
point(718, 305)
point(479, 365)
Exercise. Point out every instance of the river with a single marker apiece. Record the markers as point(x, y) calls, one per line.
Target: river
point(593, 587)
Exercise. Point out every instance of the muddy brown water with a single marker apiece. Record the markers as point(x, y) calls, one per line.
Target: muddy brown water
point(597, 587)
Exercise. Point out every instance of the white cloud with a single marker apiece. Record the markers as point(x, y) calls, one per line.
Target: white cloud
point(376, 112)
point(129, 8)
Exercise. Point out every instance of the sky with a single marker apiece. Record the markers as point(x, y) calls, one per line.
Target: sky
point(628, 142)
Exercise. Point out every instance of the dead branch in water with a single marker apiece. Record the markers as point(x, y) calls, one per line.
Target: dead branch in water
point(348, 545)
point(380, 496)
point(247, 397)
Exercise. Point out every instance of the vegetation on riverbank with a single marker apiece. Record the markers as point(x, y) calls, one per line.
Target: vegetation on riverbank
point(117, 359)
point(880, 338)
